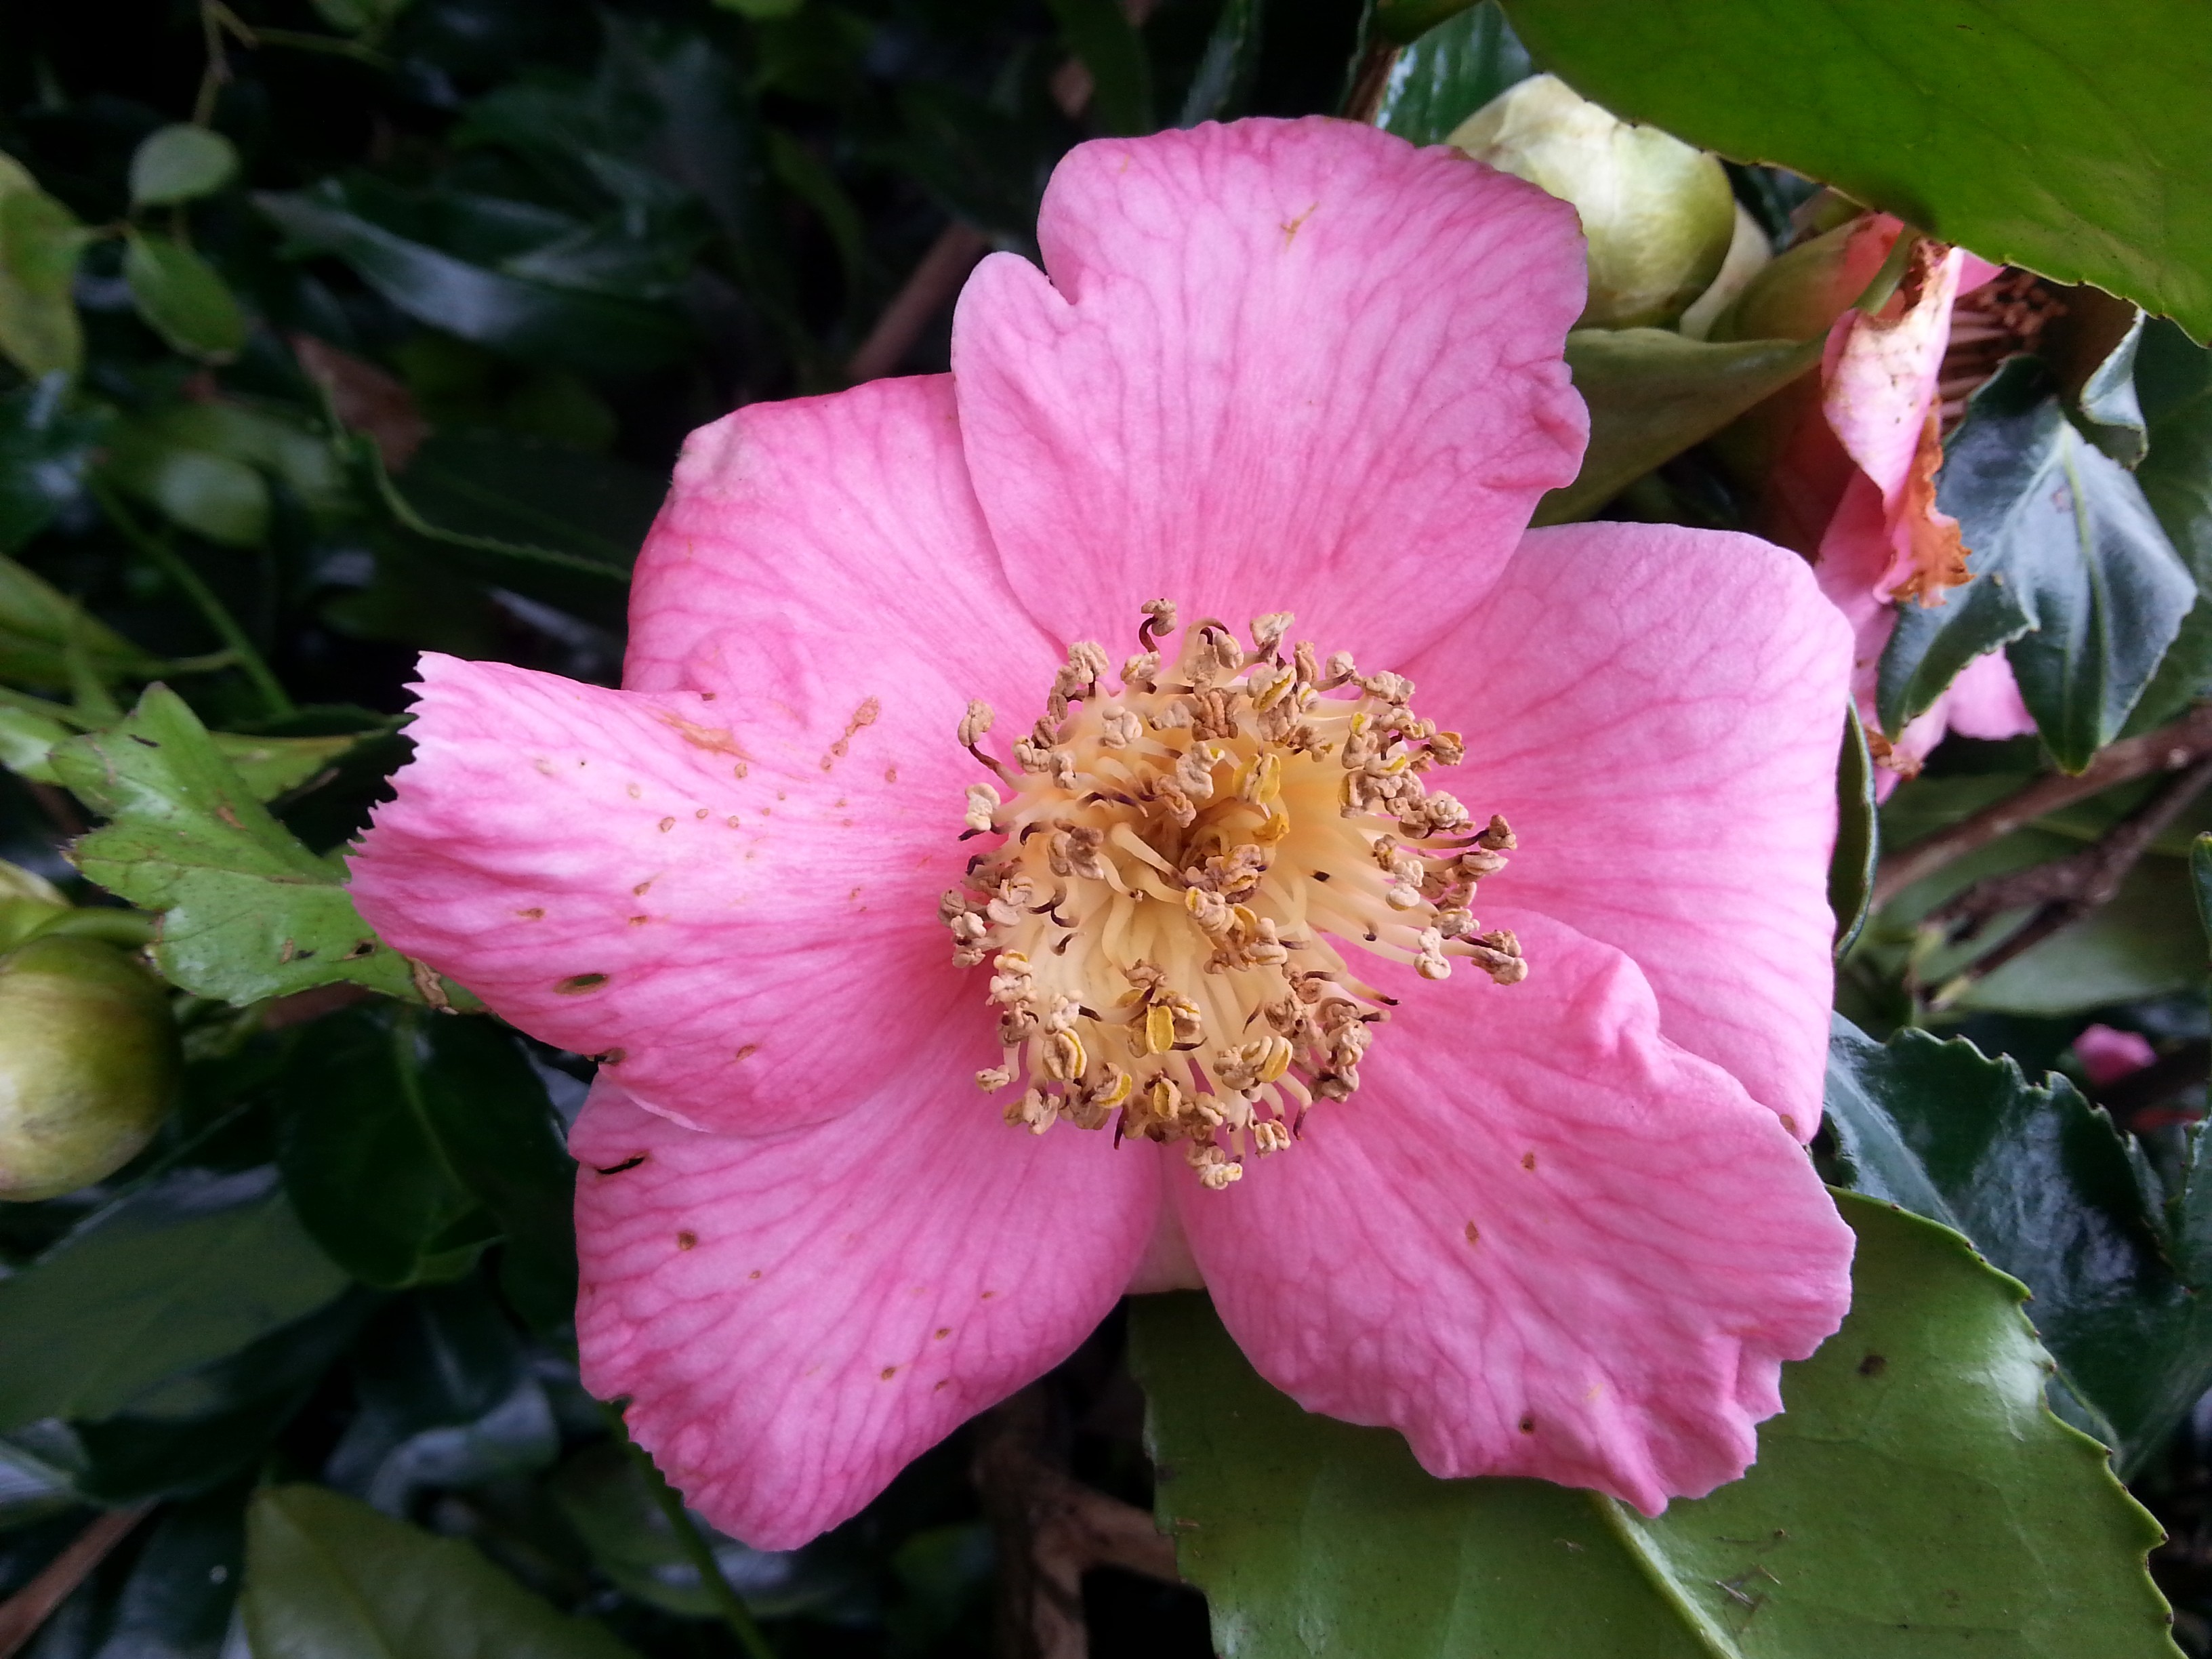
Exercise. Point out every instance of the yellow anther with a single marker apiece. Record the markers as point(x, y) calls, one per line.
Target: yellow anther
point(1064, 1058)
point(1159, 1028)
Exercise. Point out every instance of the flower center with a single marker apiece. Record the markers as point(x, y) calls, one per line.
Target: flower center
point(1170, 864)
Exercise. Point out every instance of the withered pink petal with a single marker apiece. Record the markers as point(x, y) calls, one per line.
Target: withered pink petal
point(796, 1317)
point(1541, 1241)
point(1880, 379)
point(1278, 365)
point(1657, 711)
point(748, 934)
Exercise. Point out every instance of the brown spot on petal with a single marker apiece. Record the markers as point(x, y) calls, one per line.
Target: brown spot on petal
point(1527, 1425)
point(635, 791)
point(987, 1295)
point(1527, 1160)
point(614, 1056)
point(715, 739)
point(639, 890)
point(535, 913)
point(639, 921)
point(576, 984)
point(684, 1241)
point(700, 813)
point(754, 1273)
point(890, 1371)
point(890, 774)
point(733, 820)
point(864, 715)
point(667, 824)
point(629, 1163)
point(943, 1382)
point(1789, 1123)
point(1474, 1234)
point(748, 1051)
point(944, 1331)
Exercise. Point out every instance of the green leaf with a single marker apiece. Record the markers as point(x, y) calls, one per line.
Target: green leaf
point(209, 493)
point(39, 242)
point(40, 628)
point(1405, 21)
point(2063, 137)
point(549, 521)
point(534, 321)
point(247, 912)
point(195, 1430)
point(1450, 72)
point(1911, 1501)
point(329, 1578)
point(2174, 386)
point(2200, 880)
point(45, 452)
point(2050, 1193)
point(1858, 836)
point(2109, 406)
point(1106, 43)
point(178, 1274)
point(1653, 393)
point(364, 1161)
point(182, 298)
point(181, 163)
point(2070, 565)
point(369, 17)
point(1221, 85)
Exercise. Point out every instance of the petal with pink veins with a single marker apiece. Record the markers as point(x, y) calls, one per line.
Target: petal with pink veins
point(1541, 1241)
point(1278, 365)
point(1658, 712)
point(794, 1318)
point(743, 864)
point(749, 936)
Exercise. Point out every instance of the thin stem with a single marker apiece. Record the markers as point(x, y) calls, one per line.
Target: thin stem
point(731, 1605)
point(278, 702)
point(300, 40)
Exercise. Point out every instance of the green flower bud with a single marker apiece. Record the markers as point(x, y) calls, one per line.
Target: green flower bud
point(1658, 212)
point(90, 1062)
point(1804, 290)
point(28, 901)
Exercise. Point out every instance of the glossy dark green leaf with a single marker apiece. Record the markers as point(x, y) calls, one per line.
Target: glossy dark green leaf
point(2070, 565)
point(534, 321)
point(1450, 72)
point(1405, 21)
point(2200, 880)
point(178, 1274)
point(446, 1400)
point(2173, 387)
point(605, 1493)
point(329, 1578)
point(40, 243)
point(247, 912)
point(1653, 393)
point(197, 1429)
point(1106, 43)
point(1221, 83)
point(364, 1161)
point(1908, 1502)
point(2050, 1193)
point(181, 163)
point(2109, 406)
point(182, 297)
point(488, 1109)
point(2063, 137)
point(45, 449)
point(1858, 836)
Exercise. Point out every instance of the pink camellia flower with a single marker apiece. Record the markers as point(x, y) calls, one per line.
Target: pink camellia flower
point(1856, 485)
point(1193, 929)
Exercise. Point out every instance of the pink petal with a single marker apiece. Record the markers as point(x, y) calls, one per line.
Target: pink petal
point(1658, 712)
point(1541, 1241)
point(796, 1317)
point(1277, 365)
point(816, 603)
point(816, 553)
point(1984, 701)
point(754, 929)
point(2107, 1054)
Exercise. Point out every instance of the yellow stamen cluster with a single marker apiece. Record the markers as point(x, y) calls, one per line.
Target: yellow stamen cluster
point(1172, 858)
